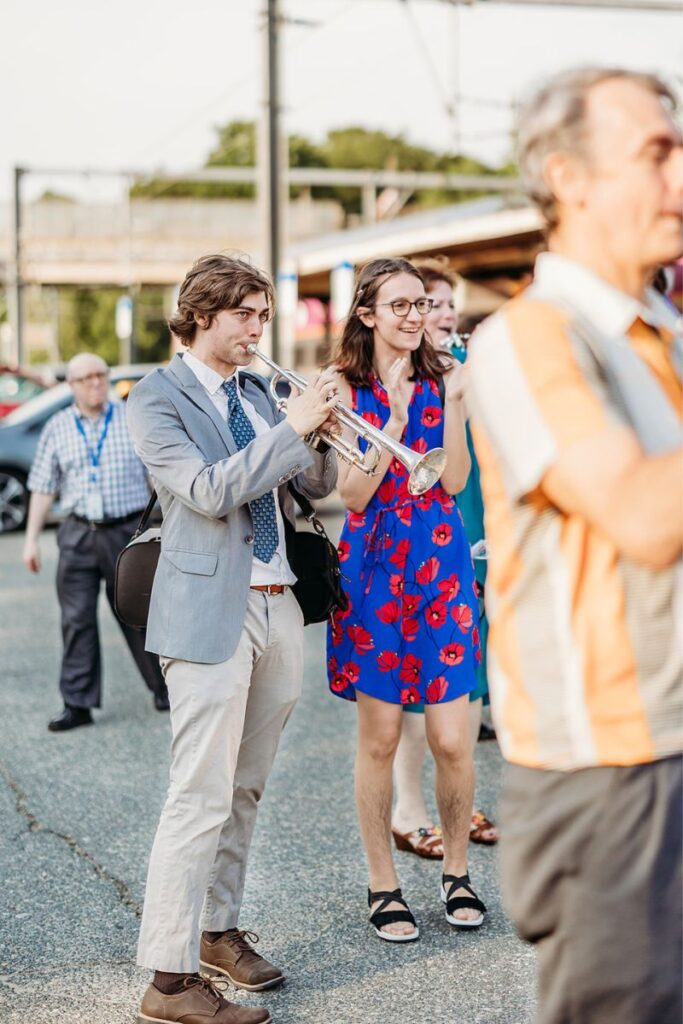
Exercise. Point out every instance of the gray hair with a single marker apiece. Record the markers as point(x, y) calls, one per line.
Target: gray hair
point(554, 120)
point(83, 360)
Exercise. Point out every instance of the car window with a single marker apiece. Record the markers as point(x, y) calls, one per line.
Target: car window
point(50, 401)
point(14, 388)
point(59, 396)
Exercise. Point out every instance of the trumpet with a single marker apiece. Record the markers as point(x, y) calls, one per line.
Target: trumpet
point(423, 469)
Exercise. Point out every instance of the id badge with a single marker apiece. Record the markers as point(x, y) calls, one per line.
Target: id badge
point(94, 506)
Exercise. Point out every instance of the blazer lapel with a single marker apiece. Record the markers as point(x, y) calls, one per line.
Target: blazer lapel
point(197, 394)
point(259, 398)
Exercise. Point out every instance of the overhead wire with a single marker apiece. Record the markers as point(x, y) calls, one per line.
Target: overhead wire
point(236, 85)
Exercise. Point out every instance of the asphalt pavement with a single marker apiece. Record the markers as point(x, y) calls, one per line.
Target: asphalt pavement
point(77, 817)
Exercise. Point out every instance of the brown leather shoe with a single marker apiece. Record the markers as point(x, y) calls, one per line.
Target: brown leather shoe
point(232, 956)
point(200, 1002)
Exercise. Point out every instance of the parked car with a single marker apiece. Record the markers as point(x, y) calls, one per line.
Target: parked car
point(19, 434)
point(19, 386)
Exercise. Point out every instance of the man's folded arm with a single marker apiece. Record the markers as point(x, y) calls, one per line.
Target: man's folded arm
point(634, 499)
point(552, 433)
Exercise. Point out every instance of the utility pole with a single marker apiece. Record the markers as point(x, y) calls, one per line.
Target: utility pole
point(18, 289)
point(270, 165)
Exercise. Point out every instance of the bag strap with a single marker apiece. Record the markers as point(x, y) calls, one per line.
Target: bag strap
point(442, 390)
point(303, 503)
point(145, 515)
point(308, 511)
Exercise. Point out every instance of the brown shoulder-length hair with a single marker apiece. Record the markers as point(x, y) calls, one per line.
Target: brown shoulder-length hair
point(214, 283)
point(354, 351)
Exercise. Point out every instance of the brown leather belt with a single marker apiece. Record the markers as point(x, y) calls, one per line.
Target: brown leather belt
point(271, 588)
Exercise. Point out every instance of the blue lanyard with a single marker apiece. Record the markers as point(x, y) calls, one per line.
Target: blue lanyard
point(94, 455)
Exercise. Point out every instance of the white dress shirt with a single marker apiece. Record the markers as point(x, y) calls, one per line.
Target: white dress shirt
point(278, 569)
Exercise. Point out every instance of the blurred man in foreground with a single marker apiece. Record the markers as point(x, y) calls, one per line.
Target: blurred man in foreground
point(576, 394)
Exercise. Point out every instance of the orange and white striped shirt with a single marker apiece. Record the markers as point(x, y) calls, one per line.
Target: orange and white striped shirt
point(585, 652)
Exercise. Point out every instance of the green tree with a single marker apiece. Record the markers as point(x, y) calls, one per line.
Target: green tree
point(87, 318)
point(235, 147)
point(353, 147)
point(151, 338)
point(86, 322)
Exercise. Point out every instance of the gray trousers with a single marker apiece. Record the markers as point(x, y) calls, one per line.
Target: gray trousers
point(226, 721)
point(591, 873)
point(86, 557)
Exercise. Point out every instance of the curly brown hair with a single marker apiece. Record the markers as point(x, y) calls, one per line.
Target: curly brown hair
point(354, 351)
point(214, 283)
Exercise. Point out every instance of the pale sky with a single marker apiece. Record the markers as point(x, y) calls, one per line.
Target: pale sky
point(141, 83)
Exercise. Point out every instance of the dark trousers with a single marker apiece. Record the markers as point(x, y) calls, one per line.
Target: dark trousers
point(86, 557)
point(591, 873)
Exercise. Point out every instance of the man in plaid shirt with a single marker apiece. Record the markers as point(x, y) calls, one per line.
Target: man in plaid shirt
point(86, 457)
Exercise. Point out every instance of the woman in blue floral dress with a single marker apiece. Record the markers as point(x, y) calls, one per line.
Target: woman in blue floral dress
point(410, 632)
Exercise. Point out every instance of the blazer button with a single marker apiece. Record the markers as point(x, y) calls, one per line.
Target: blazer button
point(249, 539)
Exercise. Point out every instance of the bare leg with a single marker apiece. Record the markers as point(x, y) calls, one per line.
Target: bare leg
point(449, 739)
point(379, 729)
point(476, 706)
point(410, 812)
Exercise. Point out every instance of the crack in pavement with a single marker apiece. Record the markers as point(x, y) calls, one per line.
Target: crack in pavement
point(56, 968)
point(123, 891)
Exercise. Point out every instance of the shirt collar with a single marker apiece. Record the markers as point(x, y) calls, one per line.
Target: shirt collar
point(612, 311)
point(212, 381)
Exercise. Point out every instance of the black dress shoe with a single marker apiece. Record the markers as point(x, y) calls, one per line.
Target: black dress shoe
point(161, 702)
point(70, 718)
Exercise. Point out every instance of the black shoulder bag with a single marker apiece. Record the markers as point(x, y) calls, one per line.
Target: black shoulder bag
point(315, 562)
point(135, 569)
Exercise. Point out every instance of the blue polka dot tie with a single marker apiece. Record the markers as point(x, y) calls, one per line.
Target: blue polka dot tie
point(263, 508)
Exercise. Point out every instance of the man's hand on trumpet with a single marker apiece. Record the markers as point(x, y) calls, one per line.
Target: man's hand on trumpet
point(311, 409)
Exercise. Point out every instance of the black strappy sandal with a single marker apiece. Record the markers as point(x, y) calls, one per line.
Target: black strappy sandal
point(381, 916)
point(453, 903)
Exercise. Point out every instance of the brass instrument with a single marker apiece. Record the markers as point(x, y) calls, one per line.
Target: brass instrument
point(423, 469)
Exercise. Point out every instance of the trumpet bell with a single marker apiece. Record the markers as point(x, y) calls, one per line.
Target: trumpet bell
point(426, 470)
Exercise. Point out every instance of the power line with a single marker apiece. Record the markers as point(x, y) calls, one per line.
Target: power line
point(240, 81)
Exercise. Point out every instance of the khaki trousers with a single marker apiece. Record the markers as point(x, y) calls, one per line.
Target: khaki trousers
point(226, 722)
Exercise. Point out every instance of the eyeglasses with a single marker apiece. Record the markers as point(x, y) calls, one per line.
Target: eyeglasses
point(90, 378)
point(401, 307)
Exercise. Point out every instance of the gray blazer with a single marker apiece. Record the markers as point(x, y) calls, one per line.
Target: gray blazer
point(205, 484)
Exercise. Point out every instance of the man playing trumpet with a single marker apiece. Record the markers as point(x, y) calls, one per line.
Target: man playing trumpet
point(225, 623)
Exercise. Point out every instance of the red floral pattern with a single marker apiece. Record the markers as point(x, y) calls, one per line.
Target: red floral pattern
point(411, 632)
point(463, 616)
point(437, 689)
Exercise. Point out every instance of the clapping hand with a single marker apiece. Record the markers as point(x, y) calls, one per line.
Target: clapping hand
point(399, 390)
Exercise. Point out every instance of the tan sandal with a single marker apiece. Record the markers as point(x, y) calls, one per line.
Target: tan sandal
point(425, 842)
point(479, 826)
